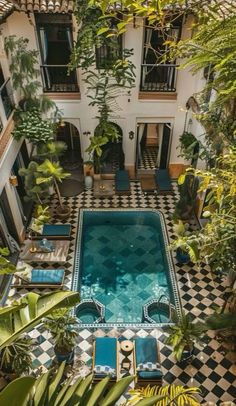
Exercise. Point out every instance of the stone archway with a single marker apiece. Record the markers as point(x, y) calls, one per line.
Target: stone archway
point(113, 155)
point(72, 158)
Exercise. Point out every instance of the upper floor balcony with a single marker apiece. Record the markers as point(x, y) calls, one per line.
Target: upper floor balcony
point(56, 79)
point(158, 78)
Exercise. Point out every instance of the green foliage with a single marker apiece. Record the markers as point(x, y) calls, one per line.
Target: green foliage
point(51, 173)
point(34, 190)
point(17, 391)
point(183, 334)
point(41, 216)
point(25, 314)
point(60, 324)
point(24, 73)
point(52, 390)
point(52, 150)
point(216, 241)
point(188, 143)
point(188, 187)
point(6, 267)
point(177, 394)
point(23, 65)
point(35, 129)
point(16, 357)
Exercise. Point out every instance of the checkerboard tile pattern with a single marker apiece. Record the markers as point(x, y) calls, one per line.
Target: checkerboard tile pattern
point(210, 369)
point(148, 158)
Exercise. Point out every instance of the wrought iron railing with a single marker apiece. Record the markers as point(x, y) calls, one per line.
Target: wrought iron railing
point(6, 95)
point(57, 79)
point(158, 78)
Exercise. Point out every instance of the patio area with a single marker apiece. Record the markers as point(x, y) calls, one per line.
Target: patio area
point(210, 369)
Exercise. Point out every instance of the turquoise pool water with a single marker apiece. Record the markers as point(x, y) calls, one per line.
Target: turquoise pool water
point(123, 262)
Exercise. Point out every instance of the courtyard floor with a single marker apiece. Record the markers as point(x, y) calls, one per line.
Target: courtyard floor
point(210, 369)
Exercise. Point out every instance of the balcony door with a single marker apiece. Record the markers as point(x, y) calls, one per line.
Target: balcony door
point(155, 74)
point(55, 40)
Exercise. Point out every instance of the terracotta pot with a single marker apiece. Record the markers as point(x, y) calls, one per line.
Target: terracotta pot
point(63, 212)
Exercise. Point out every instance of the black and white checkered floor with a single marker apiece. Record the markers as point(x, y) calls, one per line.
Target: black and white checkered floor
point(148, 159)
point(210, 369)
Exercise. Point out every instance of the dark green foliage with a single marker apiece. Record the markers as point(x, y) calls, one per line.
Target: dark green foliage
point(17, 356)
point(188, 187)
point(183, 334)
point(35, 129)
point(34, 191)
point(60, 324)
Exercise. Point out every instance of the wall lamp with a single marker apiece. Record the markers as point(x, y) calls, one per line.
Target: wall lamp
point(13, 180)
point(131, 135)
point(86, 132)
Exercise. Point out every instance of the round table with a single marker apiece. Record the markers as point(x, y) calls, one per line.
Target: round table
point(126, 347)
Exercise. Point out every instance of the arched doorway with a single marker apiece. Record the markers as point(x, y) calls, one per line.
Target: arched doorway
point(72, 158)
point(113, 157)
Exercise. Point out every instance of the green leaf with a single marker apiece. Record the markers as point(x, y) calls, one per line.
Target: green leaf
point(116, 391)
point(98, 391)
point(103, 30)
point(151, 401)
point(17, 391)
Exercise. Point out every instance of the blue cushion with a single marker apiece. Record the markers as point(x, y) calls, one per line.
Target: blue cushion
point(122, 185)
point(56, 229)
point(106, 352)
point(122, 175)
point(146, 350)
point(150, 374)
point(163, 179)
point(47, 276)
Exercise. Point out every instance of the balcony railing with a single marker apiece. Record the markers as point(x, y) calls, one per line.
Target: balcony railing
point(158, 78)
point(6, 95)
point(56, 79)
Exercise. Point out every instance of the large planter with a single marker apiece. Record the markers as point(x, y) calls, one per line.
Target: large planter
point(182, 256)
point(187, 354)
point(62, 356)
point(63, 212)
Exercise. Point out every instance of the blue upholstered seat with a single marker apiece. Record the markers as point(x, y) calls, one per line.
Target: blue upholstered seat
point(105, 353)
point(163, 181)
point(62, 230)
point(146, 351)
point(47, 276)
point(122, 183)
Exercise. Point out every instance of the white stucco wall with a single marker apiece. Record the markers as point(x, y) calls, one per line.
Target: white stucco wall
point(132, 110)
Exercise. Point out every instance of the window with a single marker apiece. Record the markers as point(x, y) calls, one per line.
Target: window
point(157, 75)
point(110, 50)
point(56, 43)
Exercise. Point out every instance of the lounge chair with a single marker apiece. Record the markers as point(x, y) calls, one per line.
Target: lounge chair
point(105, 358)
point(147, 361)
point(163, 181)
point(53, 231)
point(122, 183)
point(39, 278)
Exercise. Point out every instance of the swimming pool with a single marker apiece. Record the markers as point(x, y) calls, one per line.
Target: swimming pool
point(122, 261)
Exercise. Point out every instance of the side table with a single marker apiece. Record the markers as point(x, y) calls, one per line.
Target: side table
point(126, 364)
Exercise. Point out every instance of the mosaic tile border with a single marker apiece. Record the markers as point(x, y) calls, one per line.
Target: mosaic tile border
point(171, 268)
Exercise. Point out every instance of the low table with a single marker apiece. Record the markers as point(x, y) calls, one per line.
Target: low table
point(148, 184)
point(103, 188)
point(59, 255)
point(126, 363)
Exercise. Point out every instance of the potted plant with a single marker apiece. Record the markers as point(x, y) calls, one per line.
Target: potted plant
point(52, 173)
point(182, 335)
point(188, 187)
point(15, 359)
point(181, 242)
point(61, 325)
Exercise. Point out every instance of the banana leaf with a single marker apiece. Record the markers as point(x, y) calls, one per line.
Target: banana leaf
point(28, 312)
point(16, 392)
